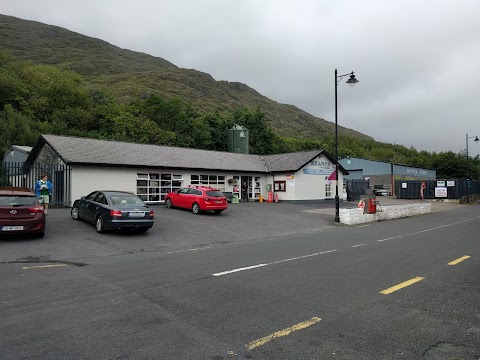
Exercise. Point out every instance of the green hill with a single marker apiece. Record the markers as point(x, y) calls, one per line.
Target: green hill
point(128, 75)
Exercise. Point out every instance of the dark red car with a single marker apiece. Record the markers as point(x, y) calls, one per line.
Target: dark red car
point(198, 199)
point(20, 212)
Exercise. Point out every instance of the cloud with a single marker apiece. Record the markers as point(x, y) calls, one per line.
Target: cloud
point(416, 61)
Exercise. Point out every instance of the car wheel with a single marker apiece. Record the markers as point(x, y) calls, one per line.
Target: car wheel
point(168, 203)
point(74, 213)
point(40, 235)
point(196, 208)
point(99, 225)
point(217, 211)
point(142, 229)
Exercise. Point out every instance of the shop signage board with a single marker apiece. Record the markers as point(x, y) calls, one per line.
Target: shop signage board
point(441, 191)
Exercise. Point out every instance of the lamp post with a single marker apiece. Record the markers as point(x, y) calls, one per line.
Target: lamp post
point(351, 81)
point(468, 175)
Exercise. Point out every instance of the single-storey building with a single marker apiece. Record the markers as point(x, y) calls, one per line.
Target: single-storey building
point(78, 166)
point(16, 154)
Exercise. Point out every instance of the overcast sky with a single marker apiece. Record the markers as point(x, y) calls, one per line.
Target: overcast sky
point(417, 62)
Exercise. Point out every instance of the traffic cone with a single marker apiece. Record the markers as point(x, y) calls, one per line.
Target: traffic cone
point(276, 197)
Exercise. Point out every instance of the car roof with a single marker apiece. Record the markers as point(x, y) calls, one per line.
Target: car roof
point(12, 190)
point(116, 192)
point(202, 187)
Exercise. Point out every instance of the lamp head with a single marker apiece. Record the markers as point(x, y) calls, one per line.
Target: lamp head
point(476, 139)
point(353, 80)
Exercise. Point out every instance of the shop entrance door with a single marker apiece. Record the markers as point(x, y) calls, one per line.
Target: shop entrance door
point(244, 193)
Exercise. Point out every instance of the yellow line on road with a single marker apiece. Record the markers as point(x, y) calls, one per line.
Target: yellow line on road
point(455, 262)
point(254, 344)
point(43, 266)
point(401, 286)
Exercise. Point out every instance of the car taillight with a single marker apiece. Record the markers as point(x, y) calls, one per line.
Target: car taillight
point(207, 199)
point(114, 213)
point(151, 213)
point(36, 209)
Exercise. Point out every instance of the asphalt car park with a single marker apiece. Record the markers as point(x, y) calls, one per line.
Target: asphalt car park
point(173, 230)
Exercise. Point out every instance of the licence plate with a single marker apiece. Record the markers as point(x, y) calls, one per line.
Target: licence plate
point(136, 214)
point(218, 201)
point(12, 228)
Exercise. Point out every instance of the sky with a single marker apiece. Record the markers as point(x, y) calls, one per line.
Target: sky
point(417, 62)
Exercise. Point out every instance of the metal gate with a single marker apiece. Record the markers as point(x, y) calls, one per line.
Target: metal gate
point(356, 188)
point(25, 175)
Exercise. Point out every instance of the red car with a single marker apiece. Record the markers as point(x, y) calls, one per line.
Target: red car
point(198, 199)
point(20, 212)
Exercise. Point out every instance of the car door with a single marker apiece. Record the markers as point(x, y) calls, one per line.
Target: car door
point(83, 205)
point(96, 206)
point(180, 198)
point(191, 197)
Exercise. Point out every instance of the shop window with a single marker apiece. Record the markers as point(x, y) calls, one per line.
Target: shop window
point(279, 185)
point(214, 181)
point(153, 187)
point(328, 188)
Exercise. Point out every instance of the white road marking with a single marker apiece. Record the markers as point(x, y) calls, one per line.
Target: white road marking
point(239, 269)
point(358, 245)
point(195, 249)
point(427, 230)
point(363, 225)
point(272, 263)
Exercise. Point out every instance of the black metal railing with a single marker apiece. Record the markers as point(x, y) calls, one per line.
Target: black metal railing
point(24, 175)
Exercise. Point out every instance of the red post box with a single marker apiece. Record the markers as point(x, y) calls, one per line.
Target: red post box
point(370, 206)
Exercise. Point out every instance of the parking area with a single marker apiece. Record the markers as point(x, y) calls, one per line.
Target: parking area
point(179, 230)
point(174, 230)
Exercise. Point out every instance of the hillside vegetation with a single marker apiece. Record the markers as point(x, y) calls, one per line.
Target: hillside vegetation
point(55, 81)
point(128, 75)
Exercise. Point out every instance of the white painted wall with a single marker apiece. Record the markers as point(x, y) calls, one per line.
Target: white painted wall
point(354, 216)
point(85, 179)
point(312, 186)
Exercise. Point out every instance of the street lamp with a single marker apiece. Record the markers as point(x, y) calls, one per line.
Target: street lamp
point(351, 81)
point(468, 175)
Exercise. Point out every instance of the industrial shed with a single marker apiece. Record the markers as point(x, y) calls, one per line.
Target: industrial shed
point(381, 174)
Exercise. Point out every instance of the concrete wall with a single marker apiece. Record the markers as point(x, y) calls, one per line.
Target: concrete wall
point(356, 216)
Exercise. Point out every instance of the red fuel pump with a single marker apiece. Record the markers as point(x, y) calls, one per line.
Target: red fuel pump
point(370, 206)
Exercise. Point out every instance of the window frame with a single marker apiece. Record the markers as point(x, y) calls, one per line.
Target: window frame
point(281, 184)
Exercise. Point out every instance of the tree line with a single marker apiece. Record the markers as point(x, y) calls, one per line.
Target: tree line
point(42, 99)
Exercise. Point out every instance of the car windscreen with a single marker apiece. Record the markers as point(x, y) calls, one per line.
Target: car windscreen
point(16, 200)
point(126, 200)
point(215, 193)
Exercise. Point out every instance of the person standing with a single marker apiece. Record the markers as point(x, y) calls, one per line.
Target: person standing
point(43, 190)
point(244, 191)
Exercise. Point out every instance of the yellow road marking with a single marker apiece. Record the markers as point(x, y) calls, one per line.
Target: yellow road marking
point(43, 266)
point(455, 262)
point(254, 344)
point(402, 285)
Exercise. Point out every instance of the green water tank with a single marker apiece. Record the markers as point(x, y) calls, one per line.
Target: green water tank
point(238, 140)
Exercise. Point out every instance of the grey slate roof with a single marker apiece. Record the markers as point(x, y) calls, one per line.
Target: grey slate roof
point(290, 161)
point(76, 150)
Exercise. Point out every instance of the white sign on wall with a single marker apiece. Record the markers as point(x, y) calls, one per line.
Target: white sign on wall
point(291, 180)
point(441, 183)
point(450, 183)
point(404, 185)
point(441, 192)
